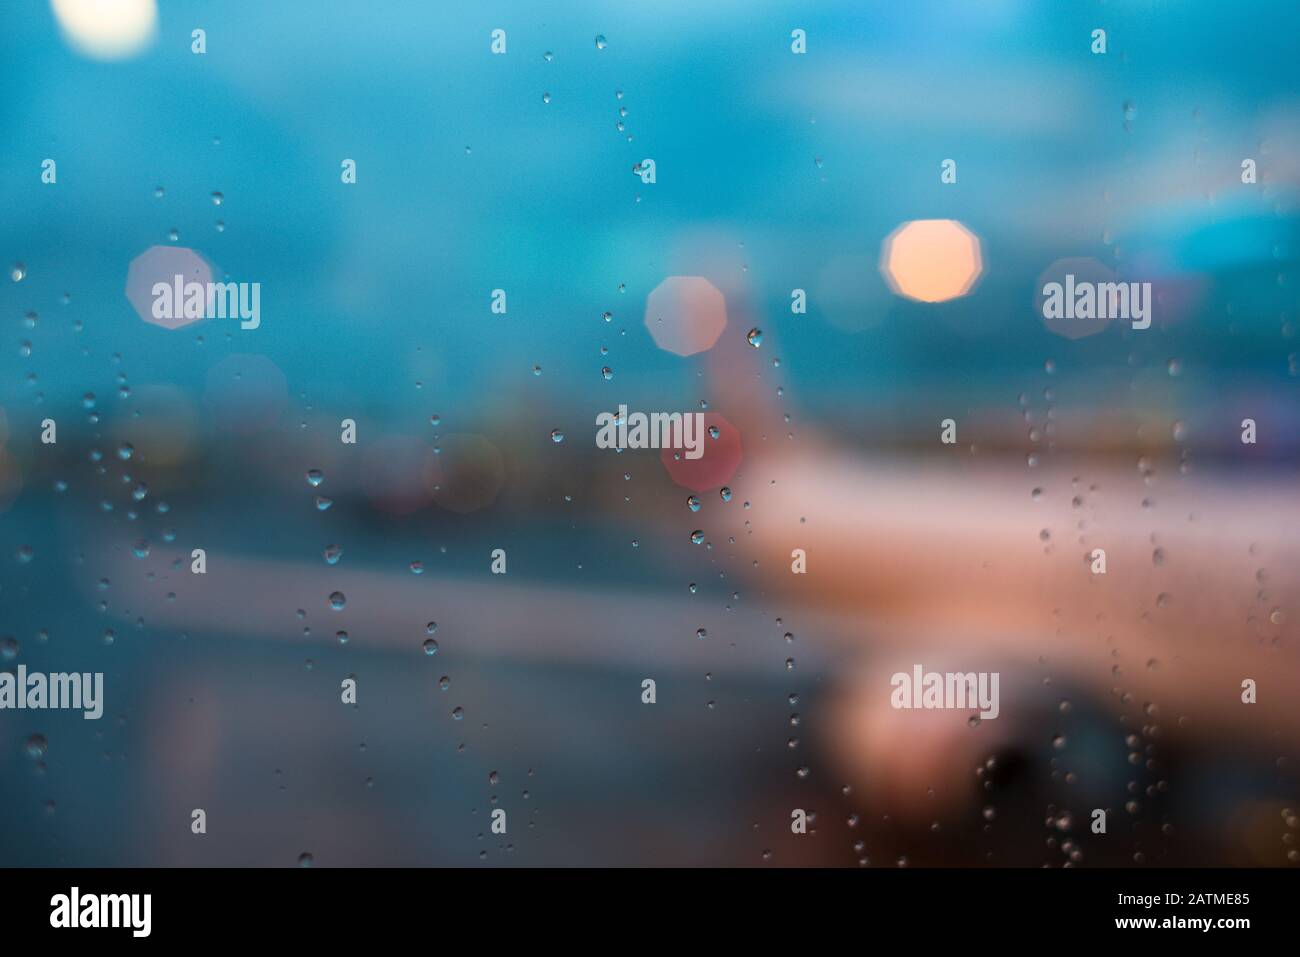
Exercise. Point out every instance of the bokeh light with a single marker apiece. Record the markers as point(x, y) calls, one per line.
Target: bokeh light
point(163, 264)
point(716, 467)
point(931, 260)
point(685, 314)
point(107, 29)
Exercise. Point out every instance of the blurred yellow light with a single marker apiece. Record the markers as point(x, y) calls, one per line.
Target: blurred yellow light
point(107, 29)
point(932, 260)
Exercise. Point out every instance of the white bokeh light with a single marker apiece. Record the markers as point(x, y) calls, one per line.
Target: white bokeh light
point(107, 29)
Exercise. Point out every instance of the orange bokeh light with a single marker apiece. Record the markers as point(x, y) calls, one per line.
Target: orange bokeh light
point(932, 260)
